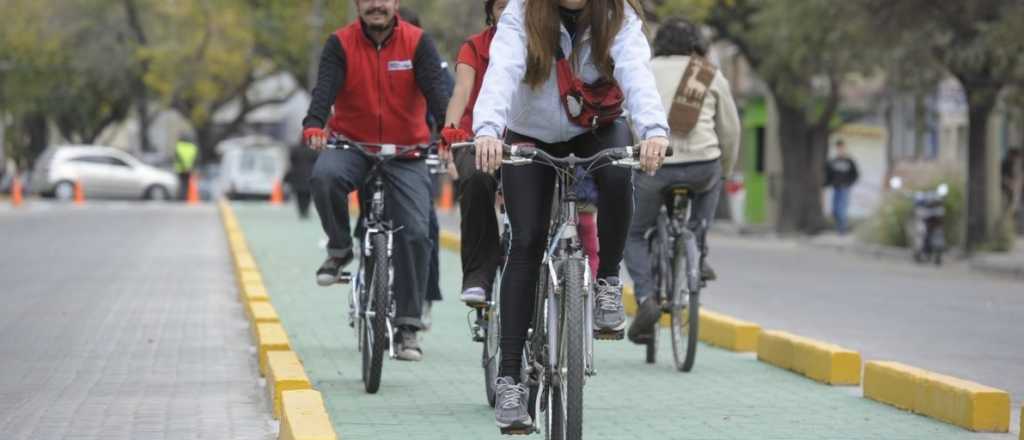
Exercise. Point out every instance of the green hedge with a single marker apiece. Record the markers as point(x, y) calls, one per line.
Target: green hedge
point(888, 225)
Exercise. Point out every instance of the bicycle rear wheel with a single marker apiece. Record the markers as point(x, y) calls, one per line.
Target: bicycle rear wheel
point(662, 277)
point(685, 304)
point(375, 337)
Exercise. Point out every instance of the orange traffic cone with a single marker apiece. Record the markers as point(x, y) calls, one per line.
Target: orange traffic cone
point(192, 198)
point(353, 201)
point(16, 190)
point(79, 192)
point(447, 200)
point(277, 194)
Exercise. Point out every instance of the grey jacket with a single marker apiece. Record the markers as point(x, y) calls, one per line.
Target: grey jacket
point(505, 101)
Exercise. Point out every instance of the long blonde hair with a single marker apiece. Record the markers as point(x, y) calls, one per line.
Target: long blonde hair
point(604, 18)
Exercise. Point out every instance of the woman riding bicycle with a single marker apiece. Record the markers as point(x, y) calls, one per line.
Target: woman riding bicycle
point(525, 93)
point(705, 142)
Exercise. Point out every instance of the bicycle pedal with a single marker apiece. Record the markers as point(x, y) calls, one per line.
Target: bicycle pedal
point(345, 278)
point(609, 335)
point(519, 431)
point(477, 305)
point(479, 338)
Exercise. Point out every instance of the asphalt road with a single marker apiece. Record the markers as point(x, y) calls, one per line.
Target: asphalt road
point(120, 321)
point(949, 320)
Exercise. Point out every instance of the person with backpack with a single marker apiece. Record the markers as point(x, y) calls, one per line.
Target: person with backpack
point(705, 141)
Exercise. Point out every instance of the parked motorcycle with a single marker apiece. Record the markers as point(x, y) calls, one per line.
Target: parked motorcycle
point(926, 225)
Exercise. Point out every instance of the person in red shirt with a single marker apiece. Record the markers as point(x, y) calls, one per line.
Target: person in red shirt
point(382, 75)
point(479, 227)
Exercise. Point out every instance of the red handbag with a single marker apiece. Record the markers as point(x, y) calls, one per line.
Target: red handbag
point(588, 105)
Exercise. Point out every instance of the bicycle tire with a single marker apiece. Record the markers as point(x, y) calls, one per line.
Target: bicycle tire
point(373, 359)
point(662, 278)
point(490, 355)
point(685, 317)
point(574, 347)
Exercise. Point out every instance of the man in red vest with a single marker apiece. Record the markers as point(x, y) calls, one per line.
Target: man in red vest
point(382, 75)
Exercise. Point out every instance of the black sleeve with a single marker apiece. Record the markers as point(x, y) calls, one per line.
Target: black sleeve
point(430, 77)
point(330, 78)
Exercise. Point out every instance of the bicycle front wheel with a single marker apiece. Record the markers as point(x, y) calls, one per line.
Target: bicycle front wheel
point(685, 304)
point(573, 357)
point(375, 335)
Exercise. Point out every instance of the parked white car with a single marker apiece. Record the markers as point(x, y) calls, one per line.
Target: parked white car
point(103, 173)
point(251, 165)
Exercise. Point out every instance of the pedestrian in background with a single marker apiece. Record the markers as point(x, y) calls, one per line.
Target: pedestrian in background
point(185, 155)
point(300, 168)
point(841, 174)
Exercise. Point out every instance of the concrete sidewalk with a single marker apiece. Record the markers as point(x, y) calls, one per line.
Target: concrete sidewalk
point(728, 396)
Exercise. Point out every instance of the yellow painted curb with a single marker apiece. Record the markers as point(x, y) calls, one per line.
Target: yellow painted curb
point(450, 240)
point(254, 292)
point(249, 277)
point(300, 409)
point(821, 361)
point(284, 373)
point(269, 337)
point(727, 332)
point(963, 403)
point(303, 417)
point(261, 312)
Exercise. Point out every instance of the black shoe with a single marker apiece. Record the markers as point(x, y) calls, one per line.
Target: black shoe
point(641, 330)
point(706, 272)
point(407, 346)
point(330, 272)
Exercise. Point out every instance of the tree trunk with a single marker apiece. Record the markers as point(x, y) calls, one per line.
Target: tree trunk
point(206, 142)
point(980, 105)
point(142, 108)
point(38, 136)
point(803, 147)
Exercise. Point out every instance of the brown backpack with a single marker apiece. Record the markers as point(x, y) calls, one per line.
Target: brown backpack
point(693, 88)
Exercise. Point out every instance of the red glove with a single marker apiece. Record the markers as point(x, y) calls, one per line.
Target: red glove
point(452, 135)
point(310, 132)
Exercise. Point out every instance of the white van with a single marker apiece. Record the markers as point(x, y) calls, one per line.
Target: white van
point(251, 165)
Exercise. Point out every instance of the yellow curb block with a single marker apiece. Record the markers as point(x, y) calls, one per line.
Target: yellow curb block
point(269, 337)
point(249, 277)
point(727, 332)
point(285, 374)
point(303, 417)
point(450, 240)
point(244, 262)
point(820, 361)
point(963, 403)
point(254, 292)
point(260, 312)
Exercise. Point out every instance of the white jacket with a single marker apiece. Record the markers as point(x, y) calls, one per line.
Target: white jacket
point(717, 133)
point(505, 101)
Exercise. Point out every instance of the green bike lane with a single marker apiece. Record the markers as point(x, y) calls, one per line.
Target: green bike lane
point(727, 396)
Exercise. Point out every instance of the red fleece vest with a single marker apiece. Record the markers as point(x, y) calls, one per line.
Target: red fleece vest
point(380, 101)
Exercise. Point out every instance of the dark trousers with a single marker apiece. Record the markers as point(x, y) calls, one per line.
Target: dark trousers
point(528, 197)
point(183, 179)
point(406, 203)
point(302, 200)
point(434, 271)
point(478, 224)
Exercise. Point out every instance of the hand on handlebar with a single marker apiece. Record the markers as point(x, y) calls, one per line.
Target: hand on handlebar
point(488, 154)
point(652, 154)
point(315, 138)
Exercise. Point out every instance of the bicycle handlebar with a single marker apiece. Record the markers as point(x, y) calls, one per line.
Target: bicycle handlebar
point(528, 153)
point(383, 150)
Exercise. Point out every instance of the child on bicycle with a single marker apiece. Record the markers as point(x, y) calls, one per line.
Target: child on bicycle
point(705, 140)
point(526, 92)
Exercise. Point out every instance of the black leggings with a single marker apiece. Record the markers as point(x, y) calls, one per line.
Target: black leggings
point(528, 191)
